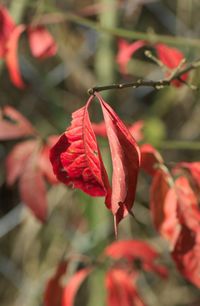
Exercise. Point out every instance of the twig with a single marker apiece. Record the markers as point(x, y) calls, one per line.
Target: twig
point(155, 84)
point(58, 17)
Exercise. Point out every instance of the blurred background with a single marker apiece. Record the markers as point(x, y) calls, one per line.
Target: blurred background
point(57, 86)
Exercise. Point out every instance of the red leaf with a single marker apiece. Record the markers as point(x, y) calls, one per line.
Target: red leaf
point(72, 287)
point(150, 158)
point(42, 43)
point(14, 125)
point(136, 250)
point(6, 27)
point(126, 161)
point(186, 255)
point(16, 160)
point(170, 227)
point(76, 157)
point(99, 129)
point(194, 170)
point(188, 209)
point(163, 202)
point(171, 58)
point(121, 289)
point(54, 290)
point(32, 188)
point(12, 58)
point(159, 189)
point(44, 162)
point(136, 130)
point(125, 52)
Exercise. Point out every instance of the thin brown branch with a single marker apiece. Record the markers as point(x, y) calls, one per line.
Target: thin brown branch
point(155, 84)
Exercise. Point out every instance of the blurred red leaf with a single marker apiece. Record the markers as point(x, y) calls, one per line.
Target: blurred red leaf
point(150, 158)
point(171, 58)
point(135, 129)
point(159, 189)
point(11, 56)
point(186, 255)
point(32, 188)
point(163, 204)
point(193, 169)
point(42, 43)
point(44, 162)
point(14, 125)
point(132, 250)
point(72, 287)
point(16, 160)
point(125, 156)
point(76, 157)
point(188, 209)
point(121, 289)
point(99, 129)
point(6, 27)
point(54, 289)
point(29, 163)
point(125, 51)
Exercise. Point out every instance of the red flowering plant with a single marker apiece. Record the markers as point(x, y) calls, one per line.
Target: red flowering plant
point(77, 161)
point(75, 158)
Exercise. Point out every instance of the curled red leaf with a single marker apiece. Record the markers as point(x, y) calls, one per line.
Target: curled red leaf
point(125, 156)
point(76, 158)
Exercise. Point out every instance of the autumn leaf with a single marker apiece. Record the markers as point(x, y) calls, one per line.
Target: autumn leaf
point(171, 58)
point(16, 160)
point(42, 43)
point(6, 27)
point(14, 125)
point(121, 290)
point(136, 250)
point(135, 129)
point(44, 162)
point(150, 159)
point(125, 156)
point(54, 289)
point(125, 52)
point(32, 188)
point(71, 289)
point(11, 57)
point(186, 255)
point(28, 162)
point(76, 158)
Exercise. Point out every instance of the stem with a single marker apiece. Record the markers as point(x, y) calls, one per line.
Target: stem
point(178, 145)
point(119, 32)
point(155, 84)
point(17, 9)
